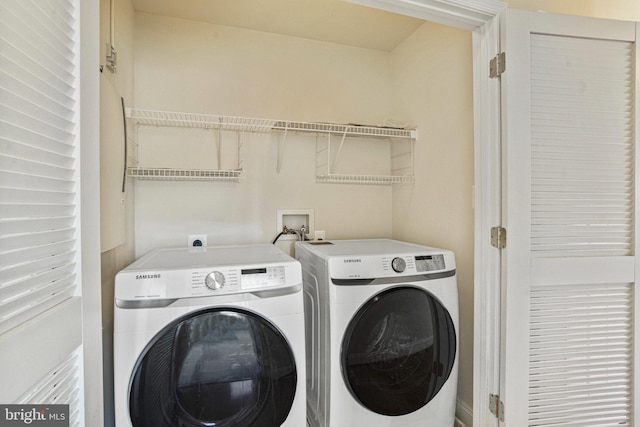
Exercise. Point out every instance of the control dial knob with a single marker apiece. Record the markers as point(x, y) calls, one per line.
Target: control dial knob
point(214, 280)
point(398, 264)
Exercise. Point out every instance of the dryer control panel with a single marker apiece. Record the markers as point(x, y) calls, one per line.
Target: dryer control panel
point(371, 266)
point(425, 263)
point(176, 273)
point(206, 281)
point(264, 277)
point(218, 281)
point(232, 280)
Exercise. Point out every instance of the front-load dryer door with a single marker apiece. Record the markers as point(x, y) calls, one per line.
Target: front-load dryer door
point(222, 367)
point(398, 351)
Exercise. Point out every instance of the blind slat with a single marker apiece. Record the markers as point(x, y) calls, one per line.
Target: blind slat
point(27, 136)
point(38, 124)
point(9, 227)
point(33, 182)
point(58, 118)
point(34, 254)
point(36, 154)
point(35, 266)
point(35, 210)
point(18, 17)
point(31, 167)
point(32, 298)
point(11, 289)
point(14, 196)
point(17, 242)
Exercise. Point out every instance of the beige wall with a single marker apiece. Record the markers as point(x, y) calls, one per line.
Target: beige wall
point(433, 88)
point(191, 66)
point(196, 67)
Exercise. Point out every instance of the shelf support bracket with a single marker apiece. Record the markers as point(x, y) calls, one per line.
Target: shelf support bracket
point(219, 145)
point(335, 162)
point(241, 136)
point(281, 148)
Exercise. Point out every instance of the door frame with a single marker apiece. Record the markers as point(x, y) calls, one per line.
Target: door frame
point(483, 18)
point(88, 132)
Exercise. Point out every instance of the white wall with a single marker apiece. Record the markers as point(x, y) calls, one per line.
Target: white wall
point(432, 73)
point(196, 67)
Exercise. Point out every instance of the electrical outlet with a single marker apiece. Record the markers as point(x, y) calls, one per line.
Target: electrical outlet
point(197, 240)
point(319, 235)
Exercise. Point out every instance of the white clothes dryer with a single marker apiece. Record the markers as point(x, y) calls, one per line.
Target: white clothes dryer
point(381, 333)
point(210, 337)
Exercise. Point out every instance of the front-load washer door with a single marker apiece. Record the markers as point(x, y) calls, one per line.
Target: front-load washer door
point(223, 367)
point(398, 351)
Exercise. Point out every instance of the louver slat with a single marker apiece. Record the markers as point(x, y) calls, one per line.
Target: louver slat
point(582, 163)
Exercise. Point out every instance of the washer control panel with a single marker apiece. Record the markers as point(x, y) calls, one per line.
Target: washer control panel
point(426, 263)
point(214, 282)
point(226, 281)
point(414, 263)
point(181, 273)
point(371, 266)
point(258, 278)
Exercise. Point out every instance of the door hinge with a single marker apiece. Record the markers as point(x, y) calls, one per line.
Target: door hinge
point(499, 237)
point(496, 406)
point(497, 65)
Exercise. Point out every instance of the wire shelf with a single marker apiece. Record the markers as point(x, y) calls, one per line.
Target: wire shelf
point(401, 141)
point(365, 179)
point(193, 120)
point(166, 174)
point(345, 129)
point(207, 121)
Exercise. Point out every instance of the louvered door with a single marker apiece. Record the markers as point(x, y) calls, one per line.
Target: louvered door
point(40, 307)
point(569, 117)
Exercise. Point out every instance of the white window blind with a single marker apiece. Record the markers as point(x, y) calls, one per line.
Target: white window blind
point(38, 199)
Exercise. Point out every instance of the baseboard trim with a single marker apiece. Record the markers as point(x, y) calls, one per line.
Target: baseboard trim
point(464, 412)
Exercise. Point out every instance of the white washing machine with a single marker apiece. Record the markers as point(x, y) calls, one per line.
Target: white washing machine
point(381, 330)
point(210, 337)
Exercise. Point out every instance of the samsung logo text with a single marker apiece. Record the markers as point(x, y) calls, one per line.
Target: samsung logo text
point(147, 276)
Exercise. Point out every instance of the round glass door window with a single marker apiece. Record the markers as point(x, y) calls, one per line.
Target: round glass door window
point(221, 367)
point(398, 351)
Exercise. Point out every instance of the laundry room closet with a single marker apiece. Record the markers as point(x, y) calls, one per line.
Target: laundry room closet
point(420, 80)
